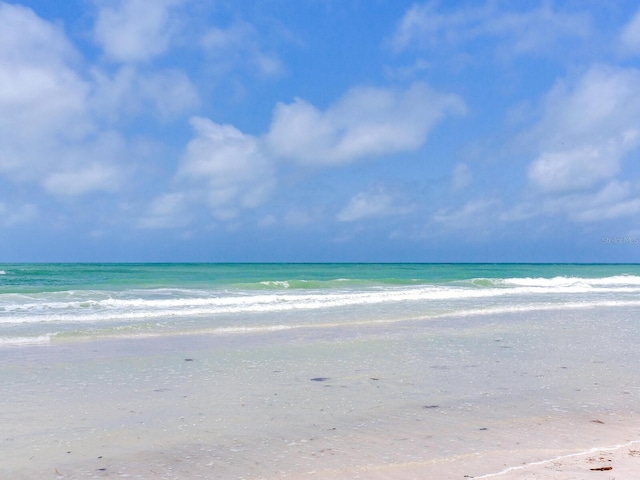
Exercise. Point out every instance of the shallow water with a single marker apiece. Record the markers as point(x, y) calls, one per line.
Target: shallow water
point(453, 395)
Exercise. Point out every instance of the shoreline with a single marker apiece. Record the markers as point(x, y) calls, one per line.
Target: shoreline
point(622, 460)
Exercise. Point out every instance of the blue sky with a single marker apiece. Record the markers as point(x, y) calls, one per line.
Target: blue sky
point(320, 130)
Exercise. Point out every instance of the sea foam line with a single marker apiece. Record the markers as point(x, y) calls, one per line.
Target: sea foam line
point(321, 298)
point(24, 341)
point(561, 457)
point(141, 309)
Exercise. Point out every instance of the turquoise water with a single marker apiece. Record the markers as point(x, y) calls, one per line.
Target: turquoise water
point(29, 278)
point(41, 303)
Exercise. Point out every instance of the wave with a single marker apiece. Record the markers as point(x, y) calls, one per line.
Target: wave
point(479, 282)
point(149, 304)
point(559, 281)
point(327, 284)
point(25, 341)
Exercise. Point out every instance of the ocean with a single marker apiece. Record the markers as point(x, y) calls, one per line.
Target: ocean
point(44, 303)
point(313, 370)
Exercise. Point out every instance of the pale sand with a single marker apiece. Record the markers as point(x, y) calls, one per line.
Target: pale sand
point(620, 462)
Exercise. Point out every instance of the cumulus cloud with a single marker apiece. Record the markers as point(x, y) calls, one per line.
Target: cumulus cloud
point(630, 36)
point(222, 169)
point(227, 166)
point(371, 204)
point(426, 26)
point(135, 30)
point(47, 131)
point(41, 96)
point(587, 129)
point(365, 122)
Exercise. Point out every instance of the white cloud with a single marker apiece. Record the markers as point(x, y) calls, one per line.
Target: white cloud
point(135, 30)
point(363, 123)
point(47, 131)
point(52, 117)
point(170, 210)
point(41, 97)
point(587, 130)
point(227, 167)
point(425, 26)
point(371, 204)
point(580, 168)
point(240, 45)
point(84, 179)
point(630, 36)
point(475, 214)
point(614, 200)
point(167, 92)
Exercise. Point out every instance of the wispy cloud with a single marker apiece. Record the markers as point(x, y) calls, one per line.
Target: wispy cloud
point(370, 204)
point(587, 129)
point(630, 36)
point(135, 30)
point(170, 210)
point(479, 215)
point(239, 46)
point(130, 92)
point(431, 25)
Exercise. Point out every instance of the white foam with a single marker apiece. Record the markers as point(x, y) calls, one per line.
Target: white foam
point(561, 457)
point(620, 280)
point(23, 341)
point(96, 306)
point(281, 284)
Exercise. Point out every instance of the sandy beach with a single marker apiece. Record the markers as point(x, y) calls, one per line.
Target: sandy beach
point(310, 406)
point(621, 462)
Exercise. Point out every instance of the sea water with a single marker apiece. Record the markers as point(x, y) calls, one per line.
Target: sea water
point(61, 302)
point(312, 370)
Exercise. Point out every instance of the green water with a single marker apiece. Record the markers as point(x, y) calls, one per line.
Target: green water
point(23, 278)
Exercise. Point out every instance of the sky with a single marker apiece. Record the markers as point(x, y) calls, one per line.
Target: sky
point(319, 131)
